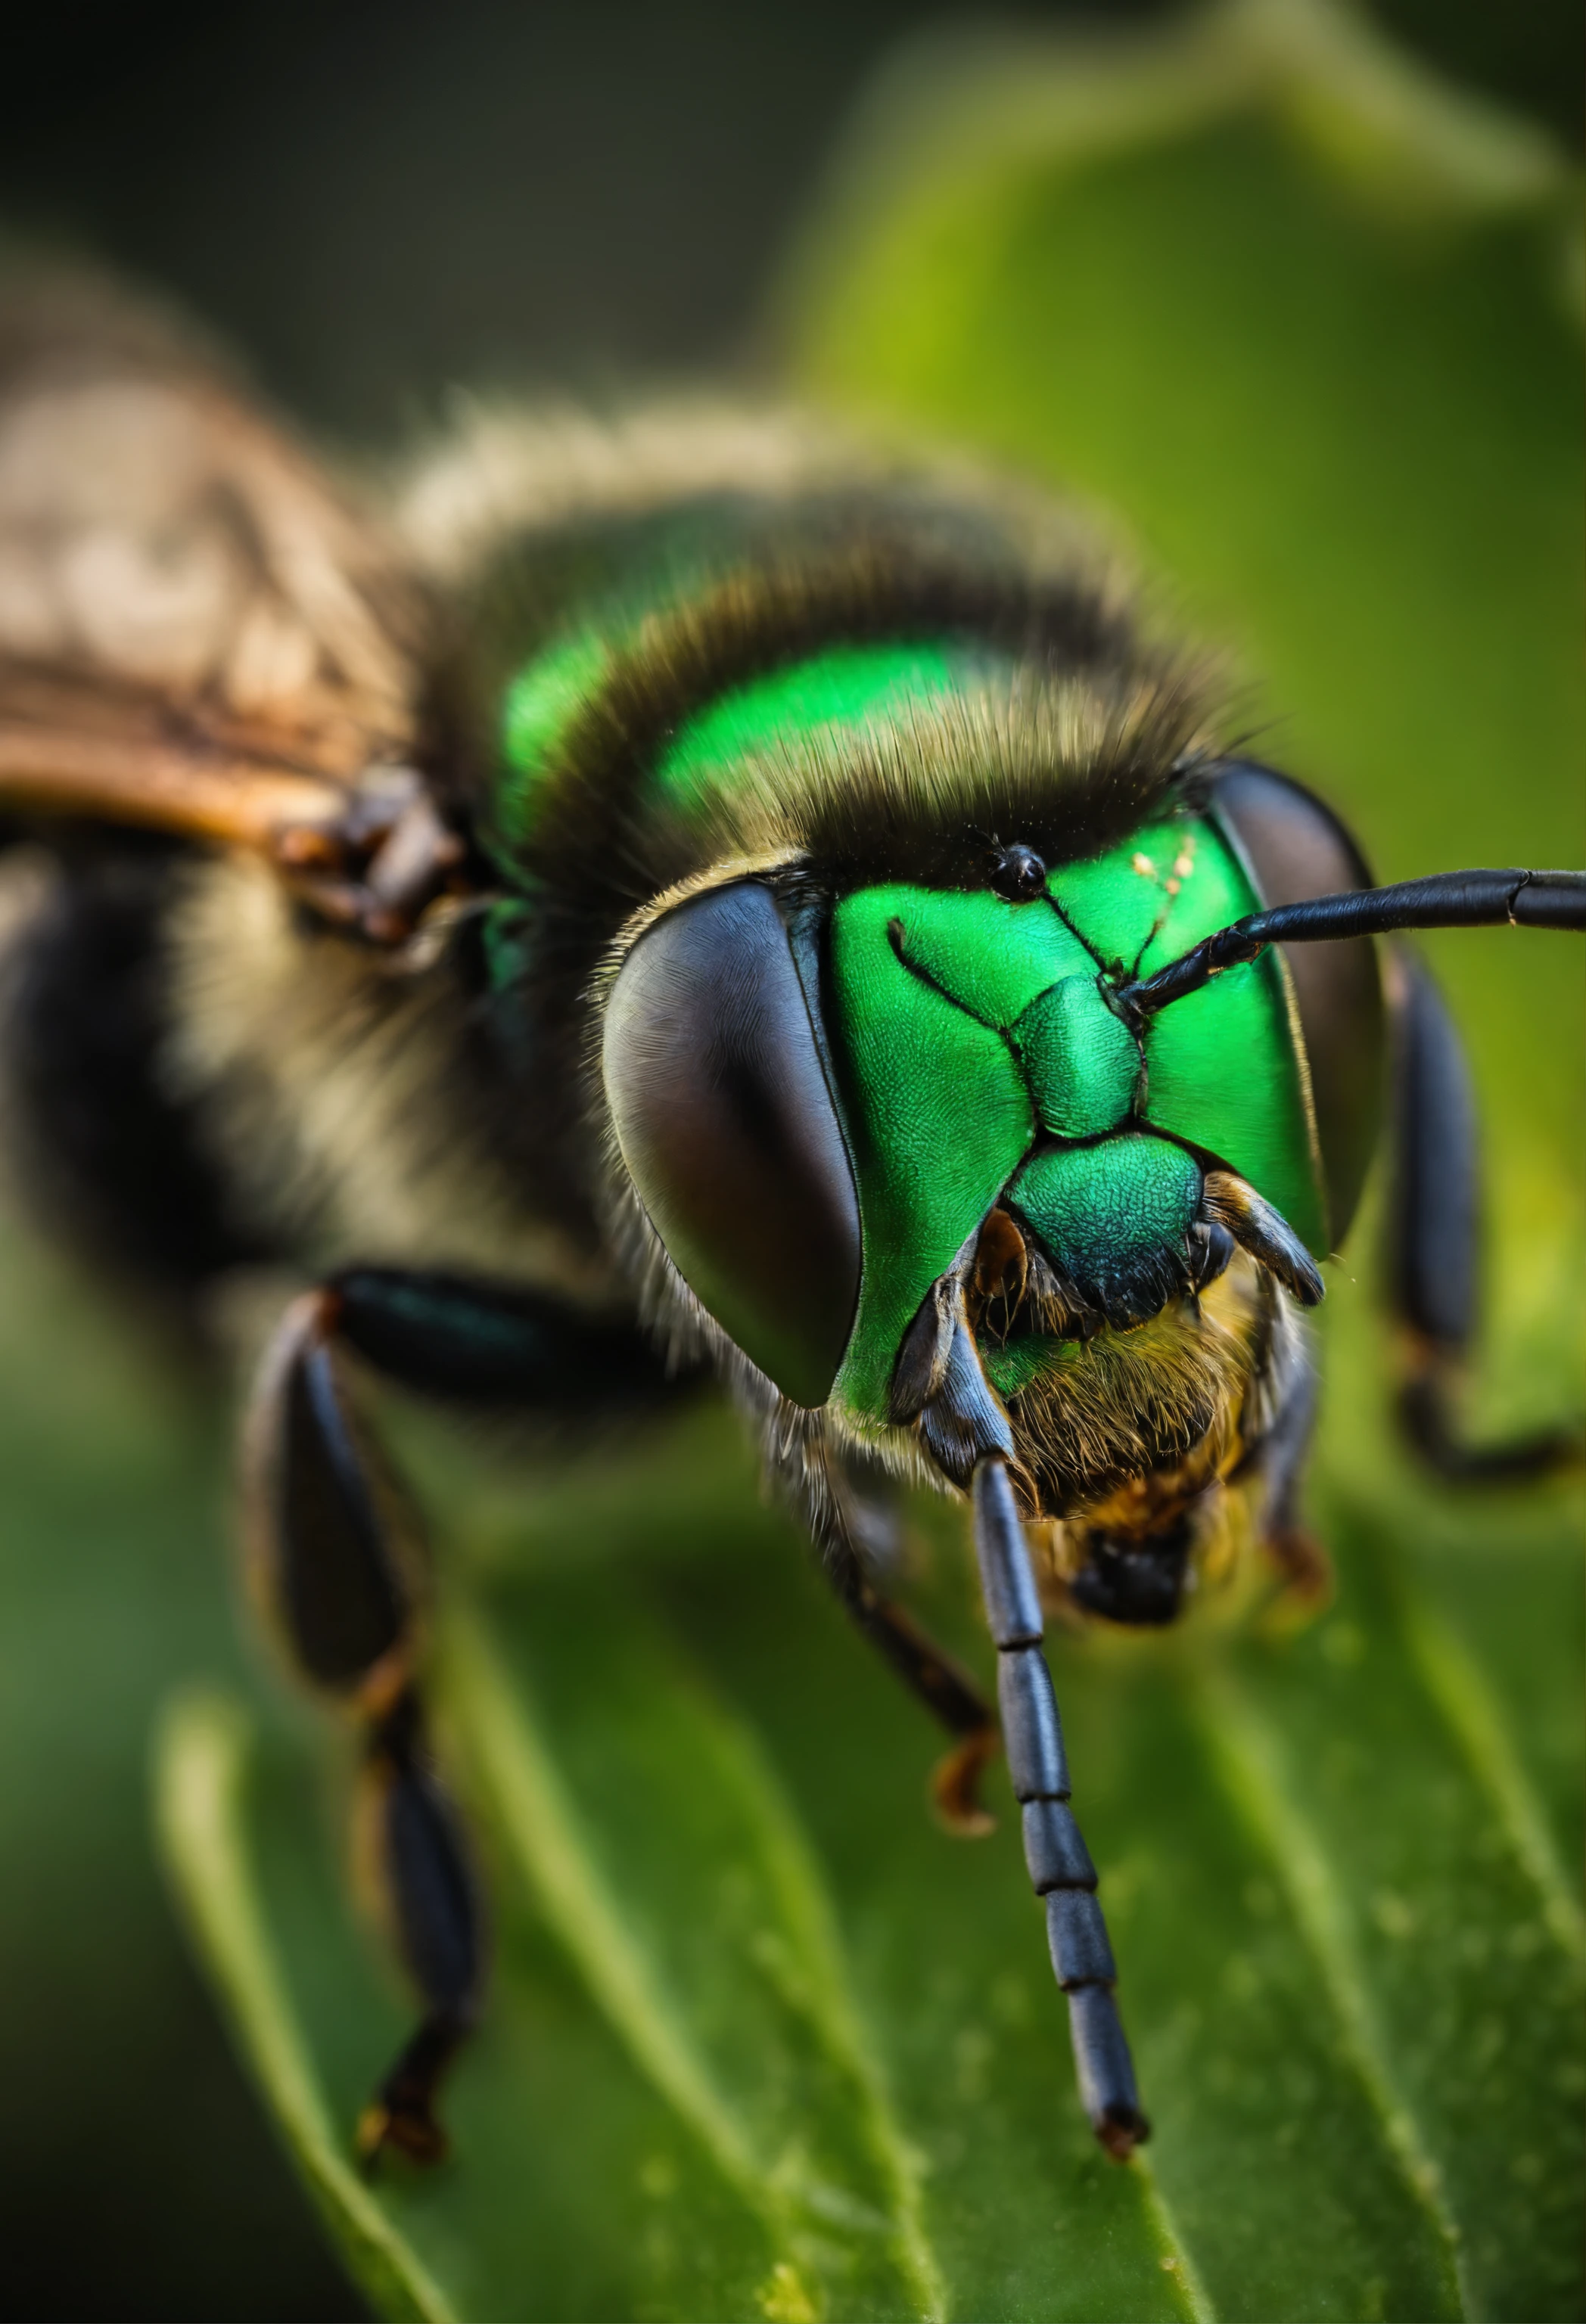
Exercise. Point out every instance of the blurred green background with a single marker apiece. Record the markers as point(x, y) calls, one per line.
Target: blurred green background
point(1342, 425)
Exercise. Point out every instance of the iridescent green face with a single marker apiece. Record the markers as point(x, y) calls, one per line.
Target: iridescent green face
point(813, 1169)
point(979, 1061)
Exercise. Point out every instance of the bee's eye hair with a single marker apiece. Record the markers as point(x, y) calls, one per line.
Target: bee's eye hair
point(1018, 873)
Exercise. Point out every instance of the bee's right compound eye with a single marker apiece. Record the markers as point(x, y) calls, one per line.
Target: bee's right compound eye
point(730, 1136)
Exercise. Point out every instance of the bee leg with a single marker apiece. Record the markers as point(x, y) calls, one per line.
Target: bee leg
point(335, 1559)
point(1300, 1558)
point(1433, 1232)
point(843, 1527)
point(946, 1690)
point(1060, 1868)
point(421, 1861)
point(467, 1339)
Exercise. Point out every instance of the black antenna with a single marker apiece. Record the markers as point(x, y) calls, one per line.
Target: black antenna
point(1449, 899)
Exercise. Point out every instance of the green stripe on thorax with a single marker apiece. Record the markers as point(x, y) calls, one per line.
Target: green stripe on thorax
point(878, 685)
point(841, 686)
point(540, 704)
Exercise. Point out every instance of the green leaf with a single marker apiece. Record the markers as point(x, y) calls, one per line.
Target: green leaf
point(659, 1894)
point(761, 2040)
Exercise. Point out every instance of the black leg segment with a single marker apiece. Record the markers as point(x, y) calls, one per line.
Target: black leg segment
point(817, 1481)
point(469, 1341)
point(1433, 1237)
point(334, 1551)
point(1060, 1868)
point(336, 1556)
point(422, 1866)
point(946, 1690)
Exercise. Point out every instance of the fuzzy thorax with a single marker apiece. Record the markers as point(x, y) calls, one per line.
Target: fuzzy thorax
point(336, 1093)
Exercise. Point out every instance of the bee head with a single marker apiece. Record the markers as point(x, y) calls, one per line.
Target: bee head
point(819, 1123)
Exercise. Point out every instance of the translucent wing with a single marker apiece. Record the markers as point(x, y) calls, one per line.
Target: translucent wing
point(198, 631)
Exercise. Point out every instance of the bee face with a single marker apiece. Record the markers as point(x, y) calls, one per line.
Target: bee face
point(820, 1147)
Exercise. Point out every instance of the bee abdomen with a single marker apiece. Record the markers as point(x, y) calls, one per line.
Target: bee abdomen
point(108, 1154)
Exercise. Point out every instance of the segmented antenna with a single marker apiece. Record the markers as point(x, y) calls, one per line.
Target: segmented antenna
point(965, 1431)
point(1448, 899)
point(1060, 1869)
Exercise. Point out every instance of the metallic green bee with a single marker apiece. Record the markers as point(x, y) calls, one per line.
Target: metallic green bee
point(680, 897)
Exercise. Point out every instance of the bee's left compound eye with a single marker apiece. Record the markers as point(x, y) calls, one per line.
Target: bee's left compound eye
point(729, 1133)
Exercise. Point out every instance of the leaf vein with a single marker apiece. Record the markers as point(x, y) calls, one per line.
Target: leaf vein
point(1467, 1702)
point(1247, 1756)
point(541, 1826)
point(201, 1766)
